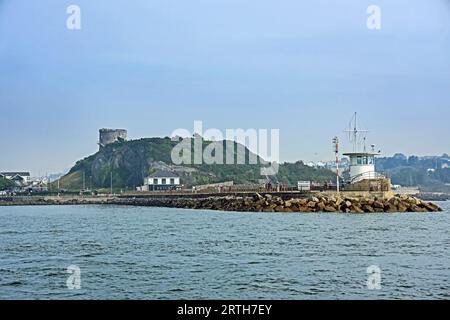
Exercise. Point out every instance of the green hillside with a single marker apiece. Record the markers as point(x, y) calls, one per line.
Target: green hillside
point(6, 184)
point(128, 162)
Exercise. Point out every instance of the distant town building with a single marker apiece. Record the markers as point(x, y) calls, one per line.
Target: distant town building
point(20, 178)
point(331, 164)
point(108, 136)
point(161, 180)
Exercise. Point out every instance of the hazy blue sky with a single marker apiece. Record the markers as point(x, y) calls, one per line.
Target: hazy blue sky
point(153, 66)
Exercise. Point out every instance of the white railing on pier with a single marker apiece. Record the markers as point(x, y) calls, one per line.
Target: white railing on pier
point(371, 175)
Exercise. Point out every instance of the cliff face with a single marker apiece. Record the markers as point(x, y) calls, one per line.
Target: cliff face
point(128, 165)
point(129, 162)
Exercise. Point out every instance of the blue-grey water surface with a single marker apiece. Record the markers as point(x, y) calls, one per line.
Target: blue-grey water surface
point(161, 253)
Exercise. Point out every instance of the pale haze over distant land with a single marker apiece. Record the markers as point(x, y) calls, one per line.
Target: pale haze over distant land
point(154, 66)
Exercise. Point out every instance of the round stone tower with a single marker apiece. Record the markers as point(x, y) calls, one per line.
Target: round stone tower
point(108, 136)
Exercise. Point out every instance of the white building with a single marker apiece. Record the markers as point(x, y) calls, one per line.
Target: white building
point(362, 166)
point(160, 181)
point(20, 178)
point(361, 163)
point(304, 185)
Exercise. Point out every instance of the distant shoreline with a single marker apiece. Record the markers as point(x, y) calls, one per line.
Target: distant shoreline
point(434, 196)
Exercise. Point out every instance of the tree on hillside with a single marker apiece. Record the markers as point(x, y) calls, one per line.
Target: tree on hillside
point(6, 184)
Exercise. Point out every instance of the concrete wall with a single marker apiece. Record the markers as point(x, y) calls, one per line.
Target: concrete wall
point(369, 169)
point(214, 185)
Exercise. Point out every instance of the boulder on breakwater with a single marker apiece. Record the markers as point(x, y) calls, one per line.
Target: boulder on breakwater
point(269, 203)
point(46, 201)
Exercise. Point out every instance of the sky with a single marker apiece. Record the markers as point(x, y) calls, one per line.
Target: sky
point(152, 67)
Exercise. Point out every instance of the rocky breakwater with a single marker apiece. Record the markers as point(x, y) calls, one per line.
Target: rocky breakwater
point(268, 203)
point(46, 201)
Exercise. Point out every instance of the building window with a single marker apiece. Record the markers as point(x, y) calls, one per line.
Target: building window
point(155, 181)
point(359, 160)
point(172, 181)
point(163, 181)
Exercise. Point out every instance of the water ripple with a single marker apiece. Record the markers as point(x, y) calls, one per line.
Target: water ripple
point(159, 253)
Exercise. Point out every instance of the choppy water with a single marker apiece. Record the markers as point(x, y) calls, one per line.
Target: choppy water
point(154, 253)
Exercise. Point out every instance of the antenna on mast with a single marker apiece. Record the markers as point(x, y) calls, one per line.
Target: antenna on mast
point(355, 132)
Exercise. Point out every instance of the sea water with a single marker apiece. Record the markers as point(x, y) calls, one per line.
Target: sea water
point(113, 252)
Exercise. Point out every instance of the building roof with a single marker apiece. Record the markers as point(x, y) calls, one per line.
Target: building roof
point(23, 174)
point(163, 174)
point(362, 154)
point(17, 177)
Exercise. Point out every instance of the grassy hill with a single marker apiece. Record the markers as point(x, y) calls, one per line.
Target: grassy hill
point(128, 162)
